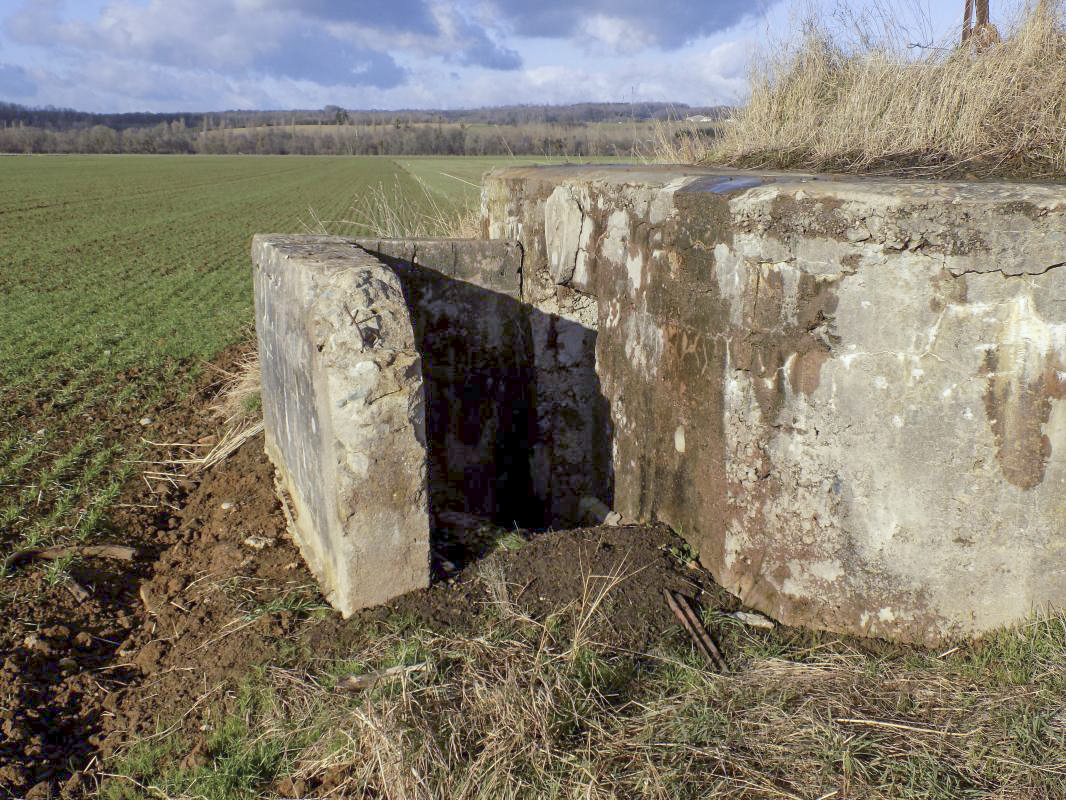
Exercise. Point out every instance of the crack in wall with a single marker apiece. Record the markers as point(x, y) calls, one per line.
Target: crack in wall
point(958, 273)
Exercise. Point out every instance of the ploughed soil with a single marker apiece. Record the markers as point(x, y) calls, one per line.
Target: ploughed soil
point(157, 646)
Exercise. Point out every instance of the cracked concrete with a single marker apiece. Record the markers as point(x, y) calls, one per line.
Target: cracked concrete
point(847, 394)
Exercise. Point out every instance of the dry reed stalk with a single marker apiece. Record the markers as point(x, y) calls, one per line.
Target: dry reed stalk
point(229, 442)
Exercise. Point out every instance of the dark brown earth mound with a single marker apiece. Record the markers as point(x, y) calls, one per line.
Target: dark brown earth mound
point(161, 644)
point(61, 630)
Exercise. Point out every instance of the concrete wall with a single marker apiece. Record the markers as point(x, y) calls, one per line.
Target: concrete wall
point(397, 385)
point(847, 394)
point(514, 375)
point(344, 415)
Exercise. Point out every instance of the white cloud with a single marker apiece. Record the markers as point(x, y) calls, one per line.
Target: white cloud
point(211, 54)
point(668, 24)
point(611, 34)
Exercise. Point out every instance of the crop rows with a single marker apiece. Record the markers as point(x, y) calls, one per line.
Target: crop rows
point(119, 276)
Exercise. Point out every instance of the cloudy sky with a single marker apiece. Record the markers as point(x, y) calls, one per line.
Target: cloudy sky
point(169, 55)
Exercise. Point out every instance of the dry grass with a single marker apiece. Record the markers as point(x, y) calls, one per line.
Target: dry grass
point(855, 98)
point(238, 398)
point(503, 715)
point(238, 407)
point(397, 212)
point(558, 708)
point(526, 713)
point(679, 143)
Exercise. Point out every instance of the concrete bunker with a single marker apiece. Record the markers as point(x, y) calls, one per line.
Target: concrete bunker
point(847, 394)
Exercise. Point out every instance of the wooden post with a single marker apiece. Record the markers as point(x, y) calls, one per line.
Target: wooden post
point(971, 26)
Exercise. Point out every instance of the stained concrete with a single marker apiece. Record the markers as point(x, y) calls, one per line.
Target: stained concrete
point(344, 415)
point(846, 393)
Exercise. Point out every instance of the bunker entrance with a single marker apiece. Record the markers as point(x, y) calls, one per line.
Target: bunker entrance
point(408, 398)
point(478, 383)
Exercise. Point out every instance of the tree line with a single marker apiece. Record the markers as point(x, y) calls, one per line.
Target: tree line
point(584, 129)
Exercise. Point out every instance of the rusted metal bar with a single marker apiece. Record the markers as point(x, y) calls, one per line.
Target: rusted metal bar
point(690, 621)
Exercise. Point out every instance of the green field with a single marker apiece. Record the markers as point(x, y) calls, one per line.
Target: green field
point(120, 275)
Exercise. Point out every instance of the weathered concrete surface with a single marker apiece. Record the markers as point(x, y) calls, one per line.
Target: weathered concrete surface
point(475, 340)
point(847, 394)
point(571, 453)
point(344, 415)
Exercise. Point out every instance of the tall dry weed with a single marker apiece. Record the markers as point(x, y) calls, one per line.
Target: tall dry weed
point(398, 213)
point(681, 143)
point(857, 99)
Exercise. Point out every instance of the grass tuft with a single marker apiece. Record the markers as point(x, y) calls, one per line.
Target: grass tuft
point(405, 212)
